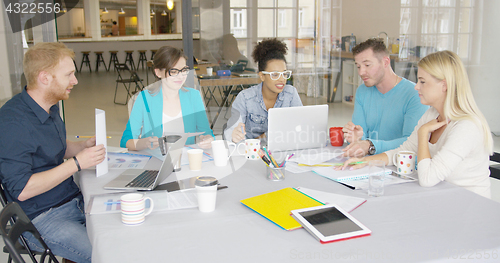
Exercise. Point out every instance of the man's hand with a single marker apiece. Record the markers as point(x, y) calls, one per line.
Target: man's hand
point(89, 142)
point(239, 132)
point(356, 149)
point(91, 156)
point(352, 133)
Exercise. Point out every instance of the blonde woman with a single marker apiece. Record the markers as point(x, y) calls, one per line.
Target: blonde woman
point(452, 139)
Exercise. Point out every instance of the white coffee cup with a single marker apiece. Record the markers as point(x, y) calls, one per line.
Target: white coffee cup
point(404, 162)
point(210, 71)
point(195, 157)
point(133, 208)
point(206, 191)
point(221, 153)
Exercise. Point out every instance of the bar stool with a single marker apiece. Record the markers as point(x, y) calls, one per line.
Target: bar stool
point(153, 52)
point(113, 59)
point(142, 59)
point(130, 59)
point(76, 67)
point(86, 60)
point(99, 60)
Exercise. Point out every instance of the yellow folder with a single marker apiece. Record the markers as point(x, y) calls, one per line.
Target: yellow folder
point(277, 206)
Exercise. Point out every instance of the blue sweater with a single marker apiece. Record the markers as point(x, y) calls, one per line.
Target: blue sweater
point(194, 116)
point(388, 119)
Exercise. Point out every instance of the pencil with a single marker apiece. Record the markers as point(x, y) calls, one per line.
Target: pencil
point(85, 136)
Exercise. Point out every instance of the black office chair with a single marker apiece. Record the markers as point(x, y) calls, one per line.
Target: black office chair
point(122, 70)
point(20, 223)
point(495, 169)
point(20, 245)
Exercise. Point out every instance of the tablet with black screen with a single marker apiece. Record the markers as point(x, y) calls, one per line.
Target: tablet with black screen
point(330, 223)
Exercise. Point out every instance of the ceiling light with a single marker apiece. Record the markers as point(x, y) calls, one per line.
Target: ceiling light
point(152, 12)
point(163, 13)
point(121, 11)
point(64, 10)
point(105, 11)
point(170, 4)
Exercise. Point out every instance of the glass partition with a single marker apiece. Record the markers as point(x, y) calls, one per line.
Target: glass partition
point(118, 18)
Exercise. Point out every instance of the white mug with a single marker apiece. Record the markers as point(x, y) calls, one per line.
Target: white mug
point(404, 162)
point(210, 71)
point(221, 153)
point(133, 208)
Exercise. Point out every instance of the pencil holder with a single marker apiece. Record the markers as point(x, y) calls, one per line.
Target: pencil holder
point(276, 174)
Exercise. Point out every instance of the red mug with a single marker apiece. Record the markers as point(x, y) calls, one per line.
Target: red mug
point(336, 136)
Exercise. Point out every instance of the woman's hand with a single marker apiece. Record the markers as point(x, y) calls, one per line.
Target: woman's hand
point(205, 141)
point(239, 132)
point(148, 142)
point(431, 126)
point(350, 163)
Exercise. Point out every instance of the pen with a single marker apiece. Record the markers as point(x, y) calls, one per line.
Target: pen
point(112, 203)
point(242, 131)
point(85, 136)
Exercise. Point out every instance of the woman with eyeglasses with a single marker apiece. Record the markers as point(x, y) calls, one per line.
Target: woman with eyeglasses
point(166, 107)
point(250, 108)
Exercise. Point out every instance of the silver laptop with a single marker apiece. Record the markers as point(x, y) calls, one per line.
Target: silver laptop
point(295, 128)
point(142, 179)
point(245, 74)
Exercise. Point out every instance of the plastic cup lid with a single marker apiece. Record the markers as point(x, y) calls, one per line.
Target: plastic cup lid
point(206, 181)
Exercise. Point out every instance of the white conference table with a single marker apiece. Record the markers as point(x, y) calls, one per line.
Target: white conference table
point(409, 224)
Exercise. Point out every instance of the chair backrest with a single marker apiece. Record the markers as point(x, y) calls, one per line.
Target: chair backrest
point(20, 225)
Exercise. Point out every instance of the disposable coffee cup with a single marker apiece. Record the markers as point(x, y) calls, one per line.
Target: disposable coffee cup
point(195, 157)
point(206, 190)
point(210, 71)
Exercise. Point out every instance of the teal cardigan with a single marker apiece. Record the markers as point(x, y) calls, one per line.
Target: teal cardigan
point(193, 115)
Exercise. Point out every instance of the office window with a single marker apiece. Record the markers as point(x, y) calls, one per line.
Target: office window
point(301, 17)
point(123, 13)
point(72, 23)
point(237, 18)
point(444, 25)
point(282, 18)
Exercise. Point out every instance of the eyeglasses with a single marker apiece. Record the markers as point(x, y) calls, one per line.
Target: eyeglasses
point(174, 72)
point(276, 75)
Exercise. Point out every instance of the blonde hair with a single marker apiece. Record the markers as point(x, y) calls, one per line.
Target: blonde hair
point(459, 103)
point(43, 57)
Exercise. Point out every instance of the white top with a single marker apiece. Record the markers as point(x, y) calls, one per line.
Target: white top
point(173, 124)
point(458, 157)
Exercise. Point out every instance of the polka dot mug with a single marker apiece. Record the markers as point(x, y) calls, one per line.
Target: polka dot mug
point(404, 162)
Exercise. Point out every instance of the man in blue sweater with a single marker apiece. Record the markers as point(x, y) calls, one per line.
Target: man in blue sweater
point(387, 107)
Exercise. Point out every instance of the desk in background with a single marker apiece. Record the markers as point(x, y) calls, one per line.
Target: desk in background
point(409, 223)
point(225, 85)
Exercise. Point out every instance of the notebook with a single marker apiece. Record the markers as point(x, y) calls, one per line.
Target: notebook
point(142, 179)
point(294, 128)
point(277, 206)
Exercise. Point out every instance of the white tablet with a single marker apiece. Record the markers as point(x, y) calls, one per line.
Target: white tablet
point(330, 223)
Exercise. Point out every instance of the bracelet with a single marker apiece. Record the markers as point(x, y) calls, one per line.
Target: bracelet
point(77, 163)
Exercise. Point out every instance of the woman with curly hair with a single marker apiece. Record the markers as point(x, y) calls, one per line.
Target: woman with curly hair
point(250, 108)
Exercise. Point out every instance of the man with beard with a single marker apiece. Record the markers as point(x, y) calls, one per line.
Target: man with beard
point(33, 147)
point(386, 108)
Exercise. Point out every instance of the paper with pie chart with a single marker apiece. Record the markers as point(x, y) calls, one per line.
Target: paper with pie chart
point(127, 160)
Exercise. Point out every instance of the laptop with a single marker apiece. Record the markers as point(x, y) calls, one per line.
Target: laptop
point(245, 74)
point(142, 179)
point(295, 128)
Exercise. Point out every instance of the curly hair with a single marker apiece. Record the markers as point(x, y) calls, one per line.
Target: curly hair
point(269, 49)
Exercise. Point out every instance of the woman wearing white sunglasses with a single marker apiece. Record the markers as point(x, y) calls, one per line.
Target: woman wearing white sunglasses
point(250, 108)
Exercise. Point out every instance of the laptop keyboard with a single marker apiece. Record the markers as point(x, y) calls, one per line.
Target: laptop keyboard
point(144, 179)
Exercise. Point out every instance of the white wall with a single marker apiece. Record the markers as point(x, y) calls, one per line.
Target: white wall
point(484, 68)
point(367, 18)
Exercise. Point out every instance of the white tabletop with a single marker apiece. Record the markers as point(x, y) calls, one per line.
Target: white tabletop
point(409, 223)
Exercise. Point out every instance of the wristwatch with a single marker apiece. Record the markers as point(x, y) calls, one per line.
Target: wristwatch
point(371, 149)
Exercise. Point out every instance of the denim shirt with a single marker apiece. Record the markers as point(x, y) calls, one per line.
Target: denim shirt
point(249, 108)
